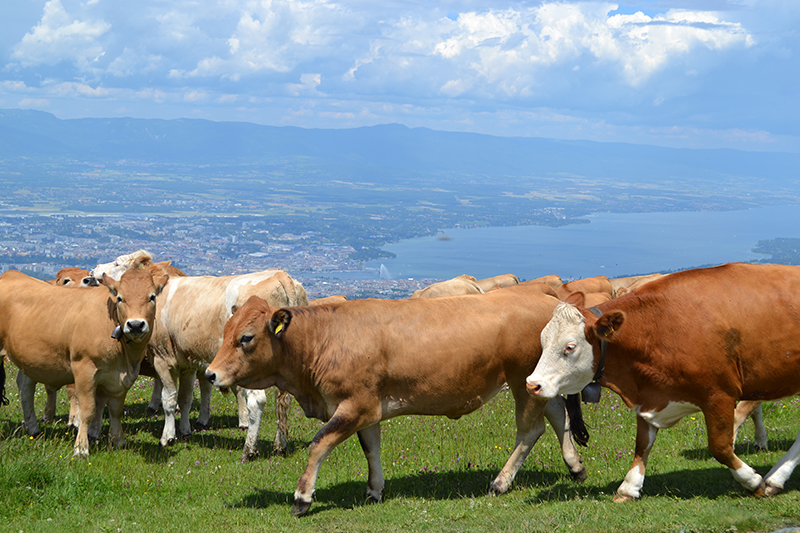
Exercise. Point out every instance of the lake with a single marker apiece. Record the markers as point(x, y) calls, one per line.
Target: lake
point(612, 244)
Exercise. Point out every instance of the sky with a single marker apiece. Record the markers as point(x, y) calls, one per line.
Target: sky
point(681, 73)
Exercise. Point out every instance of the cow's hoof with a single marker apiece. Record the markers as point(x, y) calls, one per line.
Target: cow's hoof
point(300, 508)
point(495, 489)
point(769, 490)
point(199, 426)
point(579, 476)
point(243, 428)
point(249, 456)
point(166, 443)
point(760, 491)
point(34, 434)
point(622, 498)
point(185, 437)
point(370, 499)
point(150, 411)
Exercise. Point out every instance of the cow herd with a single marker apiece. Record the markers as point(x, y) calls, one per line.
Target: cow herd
point(718, 340)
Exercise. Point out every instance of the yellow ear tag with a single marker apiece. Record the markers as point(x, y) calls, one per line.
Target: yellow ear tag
point(279, 328)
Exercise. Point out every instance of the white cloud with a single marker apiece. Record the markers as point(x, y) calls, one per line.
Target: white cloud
point(60, 37)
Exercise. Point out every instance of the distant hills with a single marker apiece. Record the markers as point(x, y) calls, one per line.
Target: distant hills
point(386, 151)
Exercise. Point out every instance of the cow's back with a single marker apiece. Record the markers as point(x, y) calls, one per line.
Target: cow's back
point(43, 321)
point(192, 314)
point(741, 320)
point(417, 350)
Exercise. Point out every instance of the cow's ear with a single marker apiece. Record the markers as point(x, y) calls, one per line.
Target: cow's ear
point(109, 282)
point(609, 323)
point(279, 322)
point(577, 298)
point(234, 308)
point(161, 283)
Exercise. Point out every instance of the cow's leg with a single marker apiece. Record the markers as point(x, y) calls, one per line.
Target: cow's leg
point(50, 405)
point(100, 402)
point(556, 414)
point(256, 401)
point(27, 389)
point(341, 426)
point(529, 413)
point(205, 401)
point(780, 473)
point(241, 403)
point(745, 409)
point(632, 485)
point(74, 419)
point(185, 397)
point(169, 398)
point(719, 423)
point(370, 439)
point(85, 393)
point(281, 442)
point(115, 409)
point(155, 397)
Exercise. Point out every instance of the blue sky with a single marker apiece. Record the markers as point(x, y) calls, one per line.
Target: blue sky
point(701, 73)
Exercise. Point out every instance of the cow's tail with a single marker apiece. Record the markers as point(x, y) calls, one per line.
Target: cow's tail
point(3, 399)
point(576, 425)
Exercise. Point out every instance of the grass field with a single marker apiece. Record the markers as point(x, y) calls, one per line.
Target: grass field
point(437, 472)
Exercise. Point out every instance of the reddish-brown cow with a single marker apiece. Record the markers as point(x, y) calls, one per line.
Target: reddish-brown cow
point(697, 340)
point(359, 362)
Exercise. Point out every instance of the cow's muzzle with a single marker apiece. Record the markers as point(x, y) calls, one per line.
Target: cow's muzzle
point(136, 328)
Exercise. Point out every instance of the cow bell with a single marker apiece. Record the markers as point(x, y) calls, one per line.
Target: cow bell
point(591, 393)
point(117, 333)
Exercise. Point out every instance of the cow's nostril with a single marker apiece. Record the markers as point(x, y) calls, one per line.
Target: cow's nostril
point(210, 377)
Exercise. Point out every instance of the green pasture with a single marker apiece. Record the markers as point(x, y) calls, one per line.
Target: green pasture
point(437, 472)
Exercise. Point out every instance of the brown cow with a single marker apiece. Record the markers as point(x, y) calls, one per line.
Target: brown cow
point(586, 285)
point(96, 340)
point(697, 340)
point(359, 362)
point(457, 286)
point(502, 281)
point(335, 299)
point(622, 289)
point(75, 277)
point(552, 280)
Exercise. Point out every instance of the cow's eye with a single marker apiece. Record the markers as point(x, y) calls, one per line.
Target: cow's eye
point(119, 299)
point(570, 348)
point(246, 339)
point(153, 298)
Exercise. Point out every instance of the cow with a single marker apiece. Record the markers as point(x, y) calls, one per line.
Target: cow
point(623, 286)
point(586, 285)
point(504, 280)
point(335, 299)
point(356, 363)
point(459, 285)
point(697, 340)
point(95, 337)
point(191, 315)
point(75, 277)
point(552, 280)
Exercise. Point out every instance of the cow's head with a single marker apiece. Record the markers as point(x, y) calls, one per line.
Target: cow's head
point(568, 362)
point(123, 263)
point(75, 277)
point(135, 306)
point(248, 354)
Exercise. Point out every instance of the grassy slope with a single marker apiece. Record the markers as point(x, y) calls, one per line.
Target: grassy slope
point(436, 469)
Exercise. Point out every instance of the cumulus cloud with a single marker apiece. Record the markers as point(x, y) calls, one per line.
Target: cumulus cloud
point(457, 62)
point(60, 37)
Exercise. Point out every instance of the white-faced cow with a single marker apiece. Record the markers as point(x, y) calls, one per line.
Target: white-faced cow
point(57, 336)
point(697, 340)
point(356, 363)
